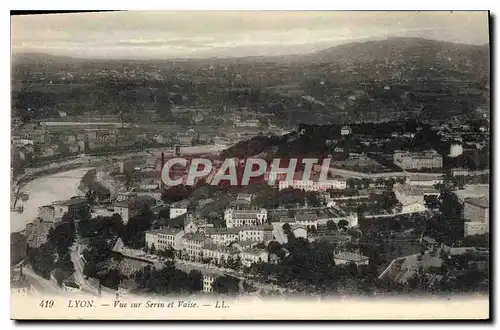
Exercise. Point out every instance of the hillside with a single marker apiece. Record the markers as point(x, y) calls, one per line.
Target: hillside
point(378, 80)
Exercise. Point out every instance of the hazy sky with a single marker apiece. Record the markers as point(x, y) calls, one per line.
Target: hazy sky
point(163, 34)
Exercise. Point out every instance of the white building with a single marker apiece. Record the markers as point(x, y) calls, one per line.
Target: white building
point(477, 209)
point(223, 236)
point(413, 207)
point(126, 209)
point(164, 238)
point(73, 205)
point(262, 233)
point(412, 198)
point(47, 213)
point(423, 180)
point(239, 218)
point(313, 185)
point(219, 253)
point(475, 228)
point(456, 150)
point(476, 214)
point(346, 130)
point(179, 208)
point(251, 256)
point(417, 160)
point(192, 244)
point(208, 281)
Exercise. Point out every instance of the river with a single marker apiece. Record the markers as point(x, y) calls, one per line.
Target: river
point(45, 190)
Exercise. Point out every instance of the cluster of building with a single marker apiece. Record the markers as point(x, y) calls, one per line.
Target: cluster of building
point(50, 216)
point(313, 183)
point(200, 242)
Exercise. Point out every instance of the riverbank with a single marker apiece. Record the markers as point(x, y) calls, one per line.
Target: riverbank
point(45, 190)
point(62, 180)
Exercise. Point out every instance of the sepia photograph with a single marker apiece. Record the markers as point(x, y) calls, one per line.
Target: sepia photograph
point(250, 165)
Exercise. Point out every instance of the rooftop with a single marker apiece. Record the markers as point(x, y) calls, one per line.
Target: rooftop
point(287, 219)
point(221, 248)
point(261, 227)
point(72, 201)
point(254, 251)
point(409, 190)
point(424, 177)
point(481, 202)
point(197, 237)
point(349, 256)
point(222, 231)
point(180, 204)
point(306, 217)
point(166, 231)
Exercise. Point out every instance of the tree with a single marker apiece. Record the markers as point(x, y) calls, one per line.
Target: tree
point(273, 247)
point(152, 249)
point(226, 284)
point(195, 280)
point(343, 224)
point(287, 228)
point(62, 237)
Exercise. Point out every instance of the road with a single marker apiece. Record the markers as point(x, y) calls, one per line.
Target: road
point(86, 286)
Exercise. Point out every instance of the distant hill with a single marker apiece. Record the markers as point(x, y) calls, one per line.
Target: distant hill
point(397, 47)
point(365, 51)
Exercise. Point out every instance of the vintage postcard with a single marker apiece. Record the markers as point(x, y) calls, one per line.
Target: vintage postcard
point(250, 165)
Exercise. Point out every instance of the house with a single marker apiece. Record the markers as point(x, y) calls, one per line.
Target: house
point(192, 244)
point(343, 258)
point(476, 214)
point(313, 183)
point(477, 209)
point(128, 209)
point(346, 130)
point(424, 180)
point(179, 208)
point(239, 217)
point(475, 228)
point(208, 280)
point(262, 233)
point(219, 253)
point(412, 198)
point(47, 213)
point(418, 160)
point(413, 207)
point(274, 259)
point(223, 236)
point(72, 206)
point(250, 256)
point(164, 238)
point(307, 219)
point(246, 197)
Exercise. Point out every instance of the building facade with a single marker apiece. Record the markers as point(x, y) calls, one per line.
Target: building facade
point(417, 160)
point(239, 218)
